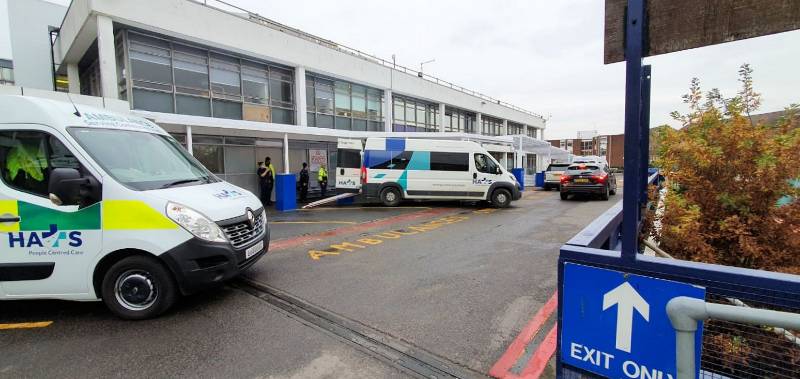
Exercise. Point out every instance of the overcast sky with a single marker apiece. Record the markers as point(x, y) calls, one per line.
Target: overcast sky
point(546, 56)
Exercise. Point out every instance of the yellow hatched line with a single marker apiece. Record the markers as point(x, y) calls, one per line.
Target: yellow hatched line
point(26, 325)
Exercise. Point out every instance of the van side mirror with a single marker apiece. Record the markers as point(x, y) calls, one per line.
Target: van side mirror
point(65, 186)
point(498, 170)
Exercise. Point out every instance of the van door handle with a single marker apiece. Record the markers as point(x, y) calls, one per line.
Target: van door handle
point(10, 219)
point(341, 171)
point(474, 175)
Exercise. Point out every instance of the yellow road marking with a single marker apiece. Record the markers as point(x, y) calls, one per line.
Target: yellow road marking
point(378, 238)
point(26, 325)
point(314, 222)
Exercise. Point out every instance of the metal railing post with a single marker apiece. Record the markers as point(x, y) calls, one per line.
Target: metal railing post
point(685, 312)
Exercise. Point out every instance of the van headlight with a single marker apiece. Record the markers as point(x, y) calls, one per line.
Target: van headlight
point(195, 222)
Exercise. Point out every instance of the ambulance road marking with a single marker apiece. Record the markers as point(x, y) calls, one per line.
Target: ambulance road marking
point(358, 228)
point(378, 238)
point(26, 325)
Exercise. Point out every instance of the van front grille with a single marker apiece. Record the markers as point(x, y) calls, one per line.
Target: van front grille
point(242, 233)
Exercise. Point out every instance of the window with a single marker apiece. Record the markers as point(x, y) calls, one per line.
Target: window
point(323, 90)
point(150, 63)
point(387, 160)
point(356, 107)
point(530, 167)
point(191, 71)
point(449, 161)
point(28, 157)
point(152, 101)
point(225, 77)
point(203, 80)
point(6, 75)
point(342, 90)
point(349, 158)
point(374, 101)
point(142, 161)
point(254, 83)
point(359, 102)
point(485, 164)
point(192, 105)
point(411, 115)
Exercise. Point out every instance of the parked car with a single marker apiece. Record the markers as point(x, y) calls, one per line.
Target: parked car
point(552, 176)
point(588, 179)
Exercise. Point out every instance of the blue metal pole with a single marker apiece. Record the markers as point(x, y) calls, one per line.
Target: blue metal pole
point(634, 33)
point(645, 137)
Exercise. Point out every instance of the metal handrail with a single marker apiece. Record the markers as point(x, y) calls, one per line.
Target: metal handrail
point(261, 20)
point(685, 312)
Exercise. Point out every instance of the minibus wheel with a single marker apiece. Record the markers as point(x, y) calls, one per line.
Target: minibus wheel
point(501, 198)
point(390, 197)
point(138, 287)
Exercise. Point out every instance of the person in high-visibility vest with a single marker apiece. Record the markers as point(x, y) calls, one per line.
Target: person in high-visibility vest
point(266, 179)
point(322, 178)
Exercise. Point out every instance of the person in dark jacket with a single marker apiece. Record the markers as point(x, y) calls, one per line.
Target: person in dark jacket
point(304, 182)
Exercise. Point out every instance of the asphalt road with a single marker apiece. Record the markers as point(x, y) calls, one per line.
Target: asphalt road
point(454, 283)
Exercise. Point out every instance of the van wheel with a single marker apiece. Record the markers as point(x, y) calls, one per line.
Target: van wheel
point(501, 198)
point(390, 197)
point(138, 287)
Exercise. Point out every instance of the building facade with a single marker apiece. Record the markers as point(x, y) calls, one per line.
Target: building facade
point(246, 87)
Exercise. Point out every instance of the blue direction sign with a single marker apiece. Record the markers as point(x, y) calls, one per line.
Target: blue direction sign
point(615, 324)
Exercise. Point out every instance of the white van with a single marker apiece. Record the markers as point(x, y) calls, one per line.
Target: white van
point(98, 205)
point(394, 169)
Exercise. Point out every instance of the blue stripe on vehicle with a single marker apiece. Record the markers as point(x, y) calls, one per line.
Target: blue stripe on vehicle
point(420, 160)
point(395, 144)
point(378, 176)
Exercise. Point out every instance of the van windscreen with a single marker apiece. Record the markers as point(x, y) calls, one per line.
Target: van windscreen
point(349, 158)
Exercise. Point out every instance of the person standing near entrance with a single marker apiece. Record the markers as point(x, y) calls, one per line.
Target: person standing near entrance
point(266, 180)
point(304, 182)
point(322, 178)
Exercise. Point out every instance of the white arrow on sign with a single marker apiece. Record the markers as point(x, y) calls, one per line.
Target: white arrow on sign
point(626, 299)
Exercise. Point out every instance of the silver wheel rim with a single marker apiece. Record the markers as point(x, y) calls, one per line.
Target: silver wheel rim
point(135, 290)
point(390, 196)
point(501, 198)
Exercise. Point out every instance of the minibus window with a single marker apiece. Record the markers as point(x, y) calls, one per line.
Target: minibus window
point(27, 158)
point(349, 158)
point(485, 164)
point(449, 161)
point(140, 160)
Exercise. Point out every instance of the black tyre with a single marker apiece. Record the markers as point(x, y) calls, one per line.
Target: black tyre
point(613, 191)
point(605, 194)
point(501, 198)
point(390, 197)
point(138, 288)
point(546, 187)
point(564, 196)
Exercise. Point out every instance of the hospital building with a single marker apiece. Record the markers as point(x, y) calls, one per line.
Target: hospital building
point(234, 86)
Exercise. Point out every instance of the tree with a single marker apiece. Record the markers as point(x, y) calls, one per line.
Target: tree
point(726, 176)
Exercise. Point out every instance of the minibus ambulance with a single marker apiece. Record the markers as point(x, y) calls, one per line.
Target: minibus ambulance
point(100, 205)
point(393, 169)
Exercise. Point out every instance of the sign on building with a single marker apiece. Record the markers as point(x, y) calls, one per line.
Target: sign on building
point(316, 158)
point(615, 324)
